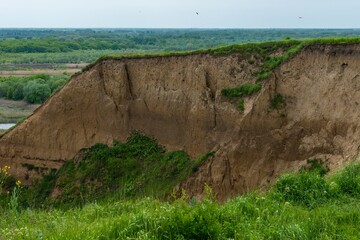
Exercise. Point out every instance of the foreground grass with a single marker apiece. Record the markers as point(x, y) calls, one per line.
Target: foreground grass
point(246, 217)
point(301, 205)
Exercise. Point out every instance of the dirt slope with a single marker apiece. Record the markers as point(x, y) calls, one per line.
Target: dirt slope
point(178, 101)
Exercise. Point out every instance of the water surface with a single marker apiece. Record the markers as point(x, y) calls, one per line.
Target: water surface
point(6, 125)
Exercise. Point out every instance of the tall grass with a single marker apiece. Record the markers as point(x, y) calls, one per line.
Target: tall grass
point(304, 205)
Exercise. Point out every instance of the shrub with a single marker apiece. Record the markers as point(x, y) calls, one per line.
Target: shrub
point(33, 89)
point(348, 180)
point(36, 92)
point(138, 167)
point(246, 89)
point(318, 165)
point(277, 101)
point(307, 188)
point(18, 93)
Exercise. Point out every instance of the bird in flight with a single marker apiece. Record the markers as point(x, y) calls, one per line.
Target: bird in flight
point(300, 17)
point(197, 13)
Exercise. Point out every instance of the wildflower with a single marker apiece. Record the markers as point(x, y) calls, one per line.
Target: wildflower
point(18, 183)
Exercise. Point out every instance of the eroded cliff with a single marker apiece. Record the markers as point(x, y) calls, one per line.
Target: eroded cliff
point(178, 101)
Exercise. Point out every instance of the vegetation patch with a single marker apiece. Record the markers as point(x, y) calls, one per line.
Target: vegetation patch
point(245, 89)
point(139, 167)
point(304, 205)
point(32, 89)
point(277, 101)
point(317, 165)
point(272, 62)
point(348, 181)
point(310, 188)
point(241, 105)
point(31, 167)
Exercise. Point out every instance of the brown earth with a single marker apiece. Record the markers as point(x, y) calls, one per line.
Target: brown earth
point(178, 101)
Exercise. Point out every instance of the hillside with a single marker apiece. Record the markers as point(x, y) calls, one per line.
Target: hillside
point(308, 108)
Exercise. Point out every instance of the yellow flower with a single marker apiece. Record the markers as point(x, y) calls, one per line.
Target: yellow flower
point(18, 183)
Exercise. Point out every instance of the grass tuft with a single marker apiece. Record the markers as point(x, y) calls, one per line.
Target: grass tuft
point(241, 105)
point(246, 89)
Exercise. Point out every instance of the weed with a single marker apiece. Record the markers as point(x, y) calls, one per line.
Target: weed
point(306, 188)
point(241, 105)
point(14, 199)
point(277, 101)
point(246, 89)
point(348, 180)
point(318, 165)
point(263, 74)
point(199, 161)
point(4, 175)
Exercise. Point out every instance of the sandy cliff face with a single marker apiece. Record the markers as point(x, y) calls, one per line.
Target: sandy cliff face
point(320, 120)
point(178, 101)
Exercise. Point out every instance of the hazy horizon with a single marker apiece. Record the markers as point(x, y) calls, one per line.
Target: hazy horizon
point(185, 14)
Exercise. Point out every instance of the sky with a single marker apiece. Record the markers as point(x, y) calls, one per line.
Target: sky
point(179, 14)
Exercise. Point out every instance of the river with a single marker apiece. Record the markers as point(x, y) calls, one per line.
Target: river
point(6, 125)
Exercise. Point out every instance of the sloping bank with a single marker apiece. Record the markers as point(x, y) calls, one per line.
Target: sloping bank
point(307, 107)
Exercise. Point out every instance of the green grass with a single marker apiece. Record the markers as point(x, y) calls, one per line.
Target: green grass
point(137, 168)
point(241, 105)
point(260, 49)
point(304, 205)
point(245, 89)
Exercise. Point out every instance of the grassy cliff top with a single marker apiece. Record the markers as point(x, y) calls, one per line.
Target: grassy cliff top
point(247, 49)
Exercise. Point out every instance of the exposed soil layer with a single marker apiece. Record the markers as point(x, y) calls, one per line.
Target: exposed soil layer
point(178, 101)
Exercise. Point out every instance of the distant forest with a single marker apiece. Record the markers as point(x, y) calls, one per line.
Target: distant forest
point(68, 40)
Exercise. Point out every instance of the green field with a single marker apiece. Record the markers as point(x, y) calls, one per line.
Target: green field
point(304, 205)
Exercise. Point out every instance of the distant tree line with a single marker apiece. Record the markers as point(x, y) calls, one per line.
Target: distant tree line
point(32, 89)
point(67, 40)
